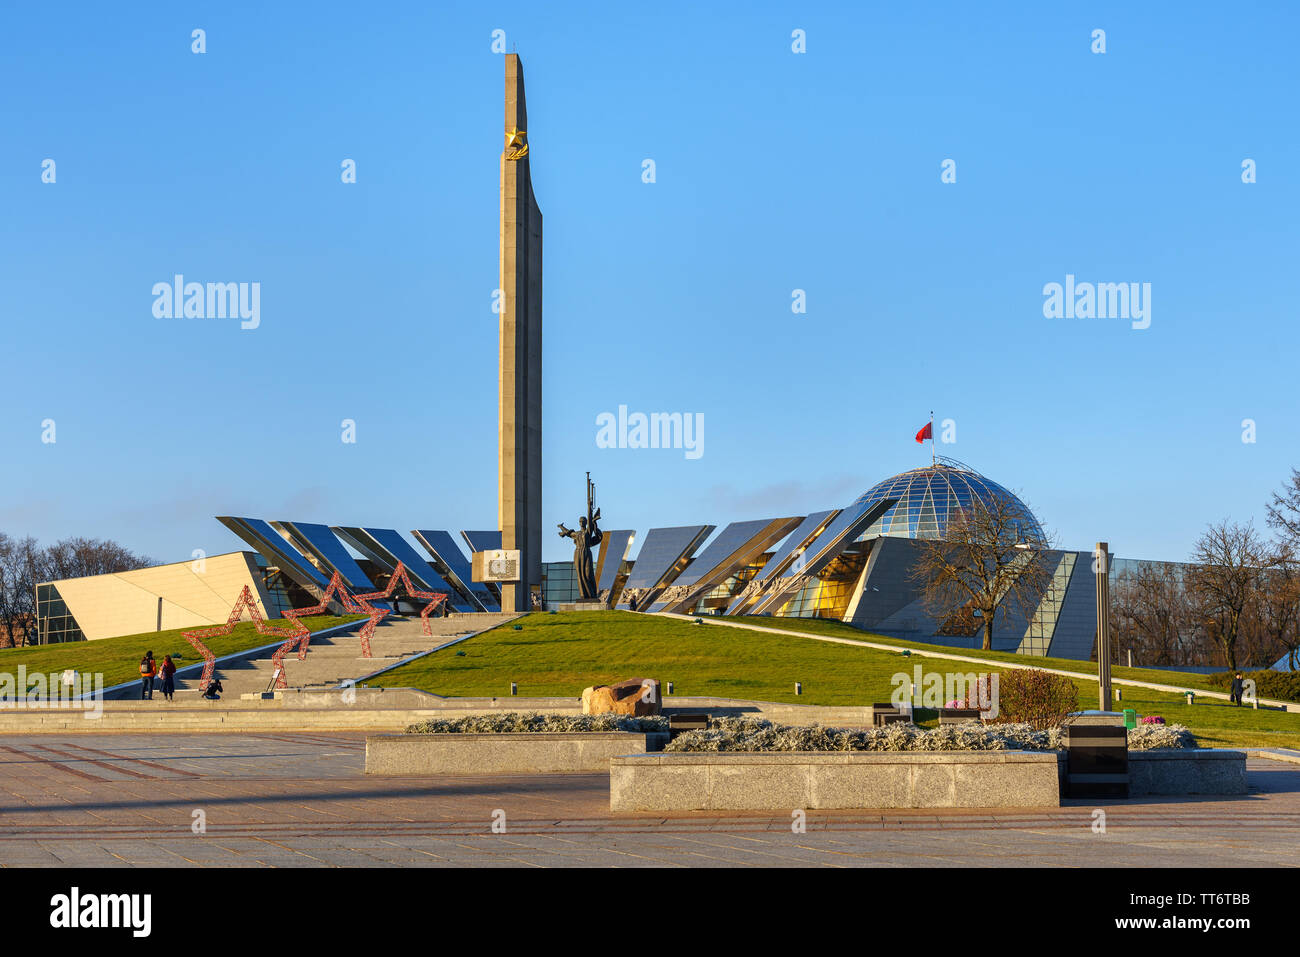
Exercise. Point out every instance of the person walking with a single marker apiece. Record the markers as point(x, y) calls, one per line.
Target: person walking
point(148, 671)
point(1238, 687)
point(168, 673)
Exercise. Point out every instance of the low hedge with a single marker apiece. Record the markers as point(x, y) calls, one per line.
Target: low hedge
point(759, 734)
point(515, 722)
point(1282, 685)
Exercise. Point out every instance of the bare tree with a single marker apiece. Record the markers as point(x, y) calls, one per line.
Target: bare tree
point(1278, 604)
point(1223, 580)
point(81, 557)
point(1150, 614)
point(21, 563)
point(1284, 509)
point(24, 564)
point(990, 557)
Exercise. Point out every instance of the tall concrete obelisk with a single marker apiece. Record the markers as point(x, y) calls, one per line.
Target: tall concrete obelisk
point(519, 395)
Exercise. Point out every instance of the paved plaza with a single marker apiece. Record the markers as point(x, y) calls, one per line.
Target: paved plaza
point(303, 799)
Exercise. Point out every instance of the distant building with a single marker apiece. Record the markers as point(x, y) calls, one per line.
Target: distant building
point(180, 595)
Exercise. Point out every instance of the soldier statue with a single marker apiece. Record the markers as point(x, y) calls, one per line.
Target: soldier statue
point(585, 536)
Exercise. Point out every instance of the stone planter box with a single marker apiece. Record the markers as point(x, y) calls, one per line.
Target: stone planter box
point(520, 753)
point(1187, 771)
point(784, 781)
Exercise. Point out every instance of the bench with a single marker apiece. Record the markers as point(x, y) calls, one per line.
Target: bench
point(883, 714)
point(681, 723)
point(958, 715)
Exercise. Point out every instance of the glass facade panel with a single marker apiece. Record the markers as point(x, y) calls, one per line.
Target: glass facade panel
point(559, 583)
point(54, 621)
point(1038, 635)
point(610, 565)
point(421, 571)
point(828, 596)
point(928, 497)
point(729, 540)
point(271, 543)
point(487, 541)
point(443, 548)
point(662, 549)
point(324, 544)
point(277, 591)
point(797, 539)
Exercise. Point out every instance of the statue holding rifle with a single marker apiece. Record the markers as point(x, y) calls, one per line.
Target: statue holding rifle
point(585, 536)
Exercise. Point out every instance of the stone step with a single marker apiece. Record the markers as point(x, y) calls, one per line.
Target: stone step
point(329, 660)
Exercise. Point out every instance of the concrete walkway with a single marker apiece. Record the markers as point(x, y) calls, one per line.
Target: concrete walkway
point(286, 799)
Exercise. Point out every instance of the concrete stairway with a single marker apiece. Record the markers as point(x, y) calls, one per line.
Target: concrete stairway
point(334, 659)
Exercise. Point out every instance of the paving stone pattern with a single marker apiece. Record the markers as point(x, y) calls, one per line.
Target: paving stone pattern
point(302, 799)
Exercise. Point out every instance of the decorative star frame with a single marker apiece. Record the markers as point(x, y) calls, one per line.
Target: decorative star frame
point(297, 632)
point(433, 599)
point(351, 603)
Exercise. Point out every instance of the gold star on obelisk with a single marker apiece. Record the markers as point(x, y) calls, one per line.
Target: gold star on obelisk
point(515, 138)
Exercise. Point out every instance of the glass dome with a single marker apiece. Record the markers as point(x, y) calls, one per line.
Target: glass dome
point(927, 496)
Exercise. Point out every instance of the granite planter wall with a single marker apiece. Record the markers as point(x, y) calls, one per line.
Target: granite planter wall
point(766, 781)
point(1187, 771)
point(523, 753)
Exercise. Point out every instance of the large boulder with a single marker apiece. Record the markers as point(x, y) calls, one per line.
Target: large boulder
point(635, 696)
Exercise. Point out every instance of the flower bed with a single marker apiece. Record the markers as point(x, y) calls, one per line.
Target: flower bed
point(1152, 737)
point(759, 734)
point(516, 722)
point(514, 743)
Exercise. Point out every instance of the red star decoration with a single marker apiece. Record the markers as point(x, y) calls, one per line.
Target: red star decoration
point(433, 600)
point(302, 638)
point(295, 633)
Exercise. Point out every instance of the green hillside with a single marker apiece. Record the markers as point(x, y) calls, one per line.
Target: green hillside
point(559, 655)
point(119, 658)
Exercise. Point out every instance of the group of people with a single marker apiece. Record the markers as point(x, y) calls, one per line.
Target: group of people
point(165, 674)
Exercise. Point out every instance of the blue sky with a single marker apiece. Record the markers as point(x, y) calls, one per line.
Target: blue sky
point(775, 171)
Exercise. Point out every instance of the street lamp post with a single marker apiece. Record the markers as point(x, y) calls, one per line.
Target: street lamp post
point(1101, 565)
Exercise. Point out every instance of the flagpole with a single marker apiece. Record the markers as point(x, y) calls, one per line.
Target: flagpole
point(933, 461)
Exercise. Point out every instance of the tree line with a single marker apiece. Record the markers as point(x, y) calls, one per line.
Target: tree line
point(1237, 602)
point(24, 563)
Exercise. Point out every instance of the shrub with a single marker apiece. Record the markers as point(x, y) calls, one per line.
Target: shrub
point(1148, 737)
point(514, 722)
point(759, 734)
point(1039, 699)
point(1282, 685)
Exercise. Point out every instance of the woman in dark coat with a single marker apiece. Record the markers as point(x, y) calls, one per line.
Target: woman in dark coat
point(168, 672)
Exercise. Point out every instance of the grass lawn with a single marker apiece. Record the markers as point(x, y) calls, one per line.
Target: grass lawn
point(837, 629)
point(559, 655)
point(119, 658)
